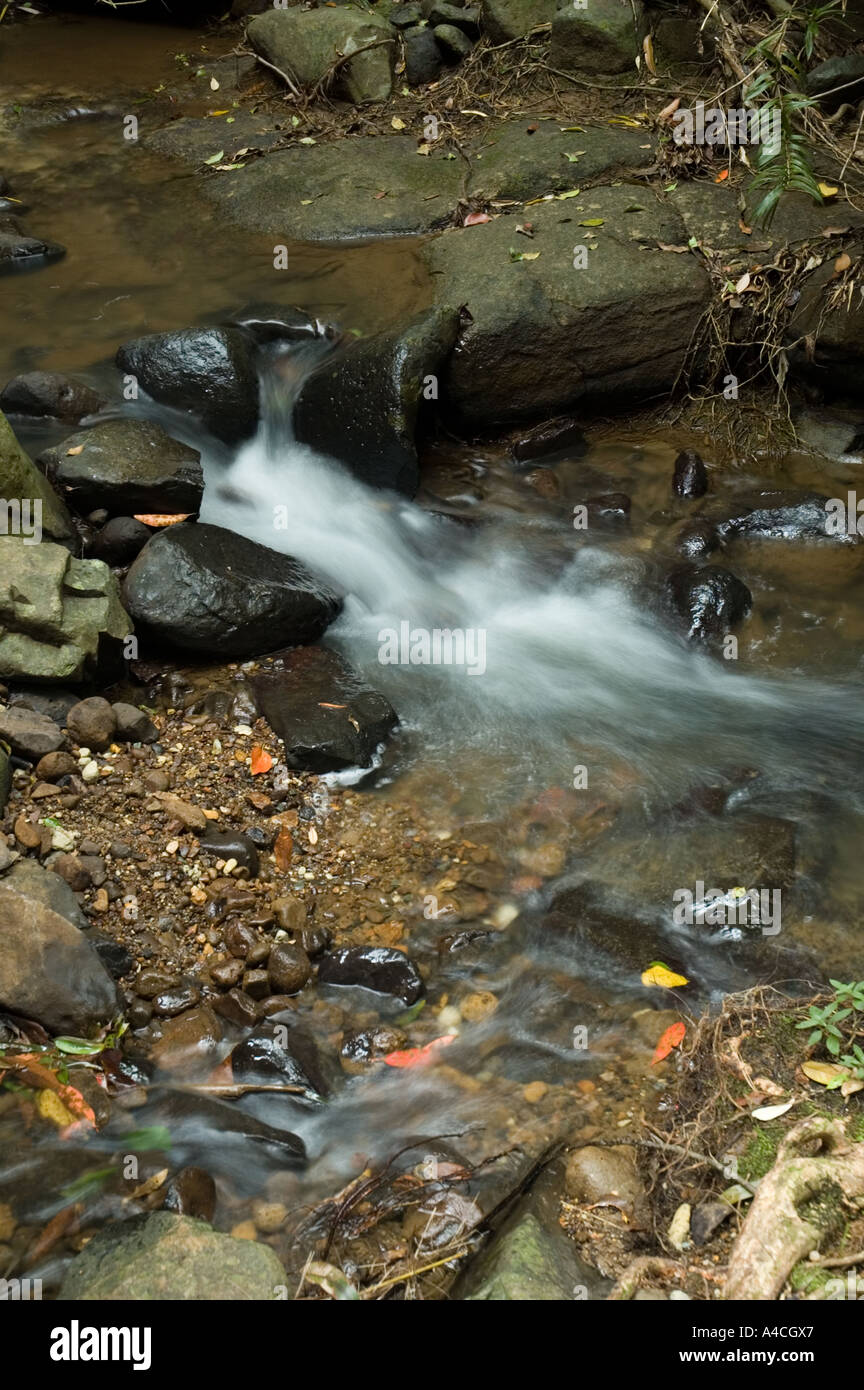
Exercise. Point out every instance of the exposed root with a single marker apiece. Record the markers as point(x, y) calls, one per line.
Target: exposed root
point(646, 1267)
point(800, 1202)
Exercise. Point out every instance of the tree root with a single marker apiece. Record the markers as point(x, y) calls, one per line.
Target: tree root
point(797, 1205)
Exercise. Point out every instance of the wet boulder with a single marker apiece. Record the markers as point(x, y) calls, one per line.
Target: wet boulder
point(21, 252)
point(125, 466)
point(52, 395)
point(326, 715)
point(689, 478)
point(119, 541)
point(205, 589)
point(48, 970)
point(270, 323)
point(787, 515)
point(710, 601)
point(166, 1256)
point(380, 969)
point(208, 372)
point(523, 1264)
point(423, 58)
point(544, 336)
point(222, 1137)
point(603, 37)
point(361, 406)
point(280, 1052)
point(308, 43)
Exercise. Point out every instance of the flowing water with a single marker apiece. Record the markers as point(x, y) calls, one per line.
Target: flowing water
point(580, 667)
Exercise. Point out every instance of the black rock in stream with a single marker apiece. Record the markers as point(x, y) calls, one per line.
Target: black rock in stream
point(361, 405)
point(205, 589)
point(280, 1052)
point(50, 394)
point(380, 969)
point(792, 514)
point(222, 1137)
point(711, 601)
point(125, 466)
point(21, 252)
point(689, 478)
point(209, 372)
point(325, 713)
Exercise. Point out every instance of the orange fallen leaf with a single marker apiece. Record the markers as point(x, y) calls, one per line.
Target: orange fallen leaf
point(722, 176)
point(475, 218)
point(34, 1073)
point(419, 1056)
point(322, 704)
point(260, 762)
point(843, 262)
point(157, 519)
point(671, 1038)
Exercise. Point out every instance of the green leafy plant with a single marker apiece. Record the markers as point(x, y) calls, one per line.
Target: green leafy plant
point(834, 1026)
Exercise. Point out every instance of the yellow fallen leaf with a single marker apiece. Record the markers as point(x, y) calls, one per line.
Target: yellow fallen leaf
point(843, 262)
point(78, 449)
point(851, 1086)
point(214, 85)
point(423, 149)
point(397, 124)
point(828, 190)
point(659, 974)
point(529, 255)
point(51, 1107)
point(825, 1073)
point(648, 51)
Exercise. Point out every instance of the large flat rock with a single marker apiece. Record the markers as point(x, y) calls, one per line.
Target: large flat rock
point(546, 336)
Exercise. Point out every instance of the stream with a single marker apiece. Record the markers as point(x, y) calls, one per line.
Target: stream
point(593, 744)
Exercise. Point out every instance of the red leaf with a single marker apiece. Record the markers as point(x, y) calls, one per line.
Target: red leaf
point(722, 176)
point(419, 1056)
point(671, 1038)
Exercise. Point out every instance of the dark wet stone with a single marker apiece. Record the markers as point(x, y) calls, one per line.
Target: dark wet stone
point(689, 478)
point(256, 983)
point(269, 323)
point(324, 712)
point(125, 466)
point(280, 1052)
point(788, 515)
point(134, 725)
point(209, 372)
point(608, 508)
point(405, 16)
point(314, 940)
point(119, 541)
point(237, 1007)
point(231, 844)
point(711, 601)
point(378, 968)
point(152, 982)
point(205, 589)
point(696, 539)
point(288, 967)
point(464, 17)
point(191, 1192)
point(29, 734)
point(218, 1133)
point(50, 394)
point(361, 405)
point(362, 1047)
point(118, 961)
point(72, 871)
point(139, 1013)
point(20, 252)
point(245, 943)
point(175, 1001)
point(227, 973)
point(552, 437)
point(423, 59)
